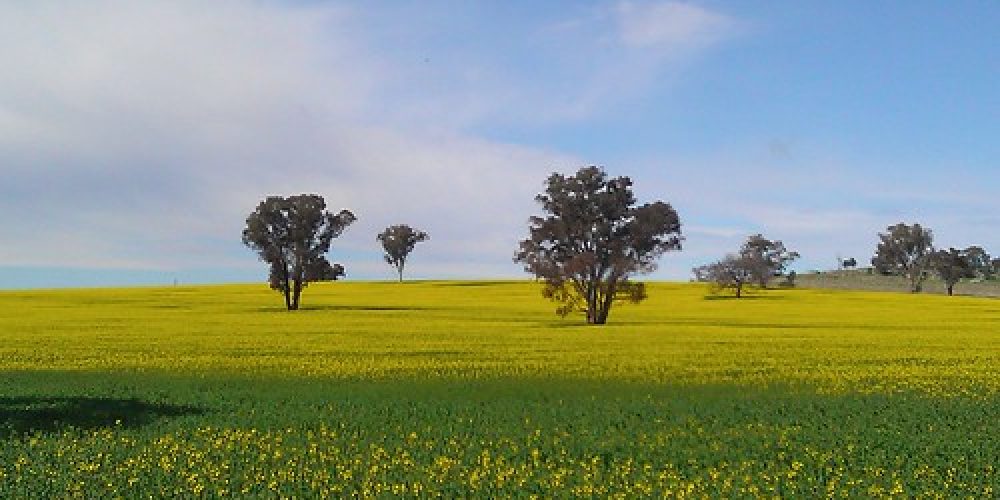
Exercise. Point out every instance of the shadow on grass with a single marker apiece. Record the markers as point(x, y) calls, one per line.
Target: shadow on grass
point(475, 283)
point(28, 415)
point(582, 323)
point(745, 297)
point(346, 308)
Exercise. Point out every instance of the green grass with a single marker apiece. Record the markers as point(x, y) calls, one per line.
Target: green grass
point(477, 389)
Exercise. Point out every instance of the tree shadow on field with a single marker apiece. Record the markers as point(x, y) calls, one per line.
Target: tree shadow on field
point(346, 308)
point(582, 324)
point(745, 297)
point(28, 415)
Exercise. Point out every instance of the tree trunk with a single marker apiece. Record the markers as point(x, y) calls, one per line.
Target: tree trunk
point(592, 310)
point(296, 294)
point(287, 288)
point(400, 271)
point(605, 307)
point(951, 289)
point(739, 290)
point(915, 285)
point(591, 297)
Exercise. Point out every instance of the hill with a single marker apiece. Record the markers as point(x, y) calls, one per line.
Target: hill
point(864, 279)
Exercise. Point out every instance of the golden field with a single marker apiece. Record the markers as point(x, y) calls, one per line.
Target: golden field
point(478, 389)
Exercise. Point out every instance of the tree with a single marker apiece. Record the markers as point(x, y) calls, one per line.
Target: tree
point(593, 239)
point(292, 235)
point(980, 262)
point(732, 272)
point(952, 266)
point(765, 258)
point(850, 263)
point(398, 241)
point(905, 250)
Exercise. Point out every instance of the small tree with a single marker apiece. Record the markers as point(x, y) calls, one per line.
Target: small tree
point(851, 263)
point(905, 250)
point(980, 262)
point(398, 241)
point(952, 266)
point(593, 239)
point(765, 258)
point(292, 235)
point(732, 272)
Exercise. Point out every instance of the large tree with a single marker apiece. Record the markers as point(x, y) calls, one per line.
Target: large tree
point(952, 266)
point(292, 235)
point(593, 239)
point(905, 250)
point(733, 272)
point(398, 241)
point(765, 258)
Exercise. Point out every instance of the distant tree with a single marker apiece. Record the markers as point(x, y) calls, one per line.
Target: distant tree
point(593, 239)
point(398, 241)
point(905, 250)
point(790, 279)
point(995, 268)
point(765, 258)
point(851, 263)
point(292, 235)
point(733, 272)
point(952, 266)
point(980, 262)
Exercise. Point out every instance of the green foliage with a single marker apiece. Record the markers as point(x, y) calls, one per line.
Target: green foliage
point(952, 266)
point(292, 235)
point(593, 239)
point(398, 241)
point(905, 250)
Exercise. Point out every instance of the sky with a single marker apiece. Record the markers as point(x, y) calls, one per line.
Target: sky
point(135, 137)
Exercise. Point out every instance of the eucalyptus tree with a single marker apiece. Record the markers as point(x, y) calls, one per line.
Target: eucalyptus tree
point(733, 272)
point(952, 266)
point(905, 250)
point(593, 239)
point(398, 241)
point(292, 236)
point(765, 258)
point(980, 261)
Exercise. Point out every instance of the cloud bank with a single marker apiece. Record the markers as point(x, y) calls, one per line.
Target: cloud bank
point(139, 135)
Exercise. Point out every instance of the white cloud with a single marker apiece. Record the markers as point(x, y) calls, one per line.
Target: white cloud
point(671, 26)
point(139, 135)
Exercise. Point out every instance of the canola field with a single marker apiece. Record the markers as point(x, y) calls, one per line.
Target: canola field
point(476, 389)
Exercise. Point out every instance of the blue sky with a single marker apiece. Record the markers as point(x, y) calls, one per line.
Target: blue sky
point(135, 138)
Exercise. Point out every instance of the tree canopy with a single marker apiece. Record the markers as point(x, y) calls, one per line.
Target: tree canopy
point(732, 272)
point(952, 266)
point(398, 241)
point(292, 235)
point(980, 262)
point(758, 261)
point(765, 258)
point(906, 251)
point(592, 239)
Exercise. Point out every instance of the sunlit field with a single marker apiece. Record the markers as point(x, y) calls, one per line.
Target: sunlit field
point(477, 389)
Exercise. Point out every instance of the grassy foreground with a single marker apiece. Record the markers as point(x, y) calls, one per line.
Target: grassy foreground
point(476, 389)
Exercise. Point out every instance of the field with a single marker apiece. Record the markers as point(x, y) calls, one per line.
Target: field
point(475, 389)
point(860, 279)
